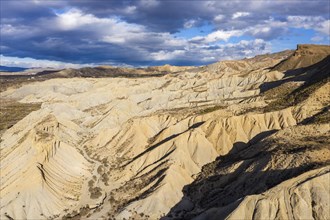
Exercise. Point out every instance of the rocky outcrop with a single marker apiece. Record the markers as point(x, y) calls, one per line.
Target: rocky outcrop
point(305, 55)
point(42, 172)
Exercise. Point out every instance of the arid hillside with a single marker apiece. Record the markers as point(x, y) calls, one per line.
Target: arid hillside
point(245, 139)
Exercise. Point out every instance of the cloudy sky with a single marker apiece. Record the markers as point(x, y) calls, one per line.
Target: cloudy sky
point(154, 32)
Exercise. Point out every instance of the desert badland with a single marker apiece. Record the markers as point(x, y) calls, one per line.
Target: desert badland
point(241, 139)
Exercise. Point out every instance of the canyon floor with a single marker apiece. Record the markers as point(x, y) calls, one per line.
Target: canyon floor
point(244, 139)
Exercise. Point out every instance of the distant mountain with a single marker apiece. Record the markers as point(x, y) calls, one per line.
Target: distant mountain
point(11, 69)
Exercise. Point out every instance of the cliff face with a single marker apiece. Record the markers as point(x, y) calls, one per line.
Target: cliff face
point(224, 140)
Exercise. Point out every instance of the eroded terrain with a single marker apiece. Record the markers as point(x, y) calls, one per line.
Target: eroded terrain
point(236, 139)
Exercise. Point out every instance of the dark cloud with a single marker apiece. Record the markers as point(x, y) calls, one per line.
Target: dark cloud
point(141, 32)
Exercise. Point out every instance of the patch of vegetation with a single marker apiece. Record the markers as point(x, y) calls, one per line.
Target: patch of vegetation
point(137, 188)
point(322, 118)
point(14, 81)
point(12, 111)
point(253, 109)
point(210, 109)
point(314, 76)
point(100, 170)
point(280, 91)
point(296, 96)
point(83, 211)
point(319, 118)
point(96, 192)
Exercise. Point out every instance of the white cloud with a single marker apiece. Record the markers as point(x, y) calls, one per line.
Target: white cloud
point(268, 30)
point(215, 52)
point(222, 35)
point(30, 63)
point(110, 30)
point(140, 40)
point(304, 21)
point(164, 46)
point(324, 27)
point(260, 29)
point(117, 39)
point(219, 18)
point(190, 23)
point(317, 23)
point(317, 38)
point(238, 50)
point(167, 55)
point(240, 14)
point(130, 9)
point(76, 19)
point(170, 41)
point(20, 31)
point(219, 35)
point(8, 29)
point(188, 51)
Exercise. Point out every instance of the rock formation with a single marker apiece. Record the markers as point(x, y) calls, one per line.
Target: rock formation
point(246, 139)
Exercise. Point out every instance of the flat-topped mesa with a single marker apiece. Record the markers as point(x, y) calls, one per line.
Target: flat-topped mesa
point(305, 55)
point(311, 49)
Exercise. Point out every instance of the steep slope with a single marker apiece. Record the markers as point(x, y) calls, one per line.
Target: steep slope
point(126, 147)
point(254, 170)
point(303, 197)
point(55, 170)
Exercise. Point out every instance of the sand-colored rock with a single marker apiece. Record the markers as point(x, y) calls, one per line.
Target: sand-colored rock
point(126, 146)
point(303, 197)
point(305, 55)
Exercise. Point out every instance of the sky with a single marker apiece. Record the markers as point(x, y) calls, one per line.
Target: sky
point(76, 33)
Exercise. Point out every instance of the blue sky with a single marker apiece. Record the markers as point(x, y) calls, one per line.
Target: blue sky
point(36, 33)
